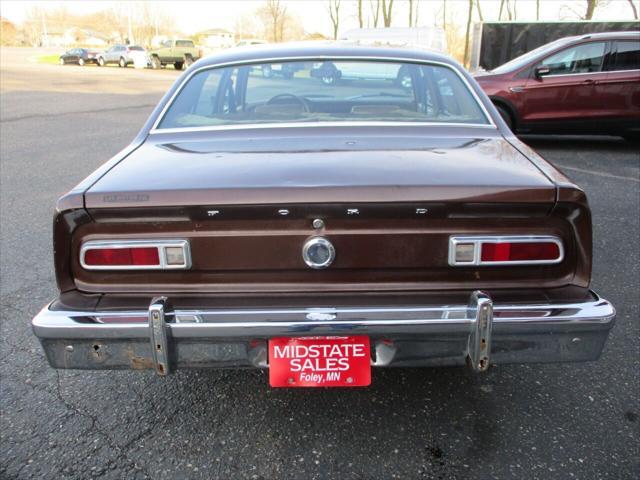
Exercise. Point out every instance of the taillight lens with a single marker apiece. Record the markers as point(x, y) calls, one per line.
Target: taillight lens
point(505, 250)
point(122, 256)
point(515, 252)
point(135, 255)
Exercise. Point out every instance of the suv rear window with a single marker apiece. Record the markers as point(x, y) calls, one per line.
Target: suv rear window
point(335, 91)
point(627, 55)
point(184, 43)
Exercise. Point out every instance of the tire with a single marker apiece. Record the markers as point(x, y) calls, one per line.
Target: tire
point(155, 63)
point(188, 61)
point(267, 72)
point(122, 63)
point(100, 62)
point(81, 62)
point(178, 65)
point(506, 116)
point(62, 62)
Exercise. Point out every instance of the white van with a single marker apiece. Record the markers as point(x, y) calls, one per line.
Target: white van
point(426, 38)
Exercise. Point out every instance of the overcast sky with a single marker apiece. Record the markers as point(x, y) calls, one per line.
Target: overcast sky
point(194, 16)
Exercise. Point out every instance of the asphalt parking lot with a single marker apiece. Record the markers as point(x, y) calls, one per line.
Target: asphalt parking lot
point(57, 124)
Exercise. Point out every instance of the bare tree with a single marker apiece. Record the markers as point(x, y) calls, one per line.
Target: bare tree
point(501, 8)
point(537, 10)
point(591, 8)
point(387, 7)
point(633, 7)
point(375, 11)
point(479, 10)
point(334, 13)
point(410, 13)
point(444, 15)
point(466, 38)
point(360, 16)
point(274, 14)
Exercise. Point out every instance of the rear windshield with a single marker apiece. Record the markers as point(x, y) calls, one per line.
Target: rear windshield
point(332, 91)
point(184, 43)
point(136, 48)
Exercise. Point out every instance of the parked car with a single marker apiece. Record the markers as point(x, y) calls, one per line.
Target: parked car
point(178, 52)
point(286, 70)
point(123, 55)
point(78, 56)
point(318, 231)
point(586, 84)
point(330, 72)
point(250, 42)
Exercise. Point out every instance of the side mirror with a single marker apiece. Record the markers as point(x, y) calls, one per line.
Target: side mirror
point(541, 71)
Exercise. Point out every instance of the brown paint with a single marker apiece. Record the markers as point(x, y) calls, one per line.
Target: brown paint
point(471, 180)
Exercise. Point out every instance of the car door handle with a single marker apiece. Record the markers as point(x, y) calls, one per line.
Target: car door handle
point(589, 81)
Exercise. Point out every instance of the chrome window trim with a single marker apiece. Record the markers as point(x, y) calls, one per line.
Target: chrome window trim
point(478, 240)
point(254, 126)
point(322, 58)
point(161, 245)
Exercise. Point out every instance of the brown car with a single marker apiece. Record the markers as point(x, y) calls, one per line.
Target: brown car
point(319, 230)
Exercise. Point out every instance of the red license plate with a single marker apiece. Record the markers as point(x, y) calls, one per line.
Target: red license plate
point(320, 362)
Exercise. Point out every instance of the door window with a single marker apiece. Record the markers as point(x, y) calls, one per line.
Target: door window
point(585, 58)
point(627, 56)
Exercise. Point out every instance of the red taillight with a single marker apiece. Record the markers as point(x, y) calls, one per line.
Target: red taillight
point(505, 250)
point(135, 255)
point(518, 252)
point(122, 257)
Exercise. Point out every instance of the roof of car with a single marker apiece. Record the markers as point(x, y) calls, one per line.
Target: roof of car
point(320, 50)
point(603, 36)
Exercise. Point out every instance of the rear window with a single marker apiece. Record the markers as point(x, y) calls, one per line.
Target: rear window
point(627, 55)
point(332, 91)
point(184, 43)
point(136, 48)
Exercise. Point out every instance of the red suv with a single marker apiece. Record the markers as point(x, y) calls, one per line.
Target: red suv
point(586, 84)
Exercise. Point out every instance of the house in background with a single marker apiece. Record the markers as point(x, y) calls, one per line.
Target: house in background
point(74, 36)
point(54, 38)
point(85, 37)
point(215, 38)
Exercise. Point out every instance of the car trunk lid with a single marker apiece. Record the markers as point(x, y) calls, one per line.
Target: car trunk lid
point(295, 166)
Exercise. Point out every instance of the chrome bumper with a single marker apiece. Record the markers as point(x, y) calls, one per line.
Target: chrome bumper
point(477, 334)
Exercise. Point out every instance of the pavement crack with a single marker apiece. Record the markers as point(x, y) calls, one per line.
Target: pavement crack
point(97, 427)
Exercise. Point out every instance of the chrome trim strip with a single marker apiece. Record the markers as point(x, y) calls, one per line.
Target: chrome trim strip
point(161, 245)
point(256, 126)
point(590, 73)
point(155, 129)
point(478, 240)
